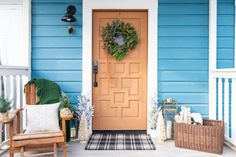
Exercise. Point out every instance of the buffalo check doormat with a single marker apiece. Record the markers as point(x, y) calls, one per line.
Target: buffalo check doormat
point(105, 141)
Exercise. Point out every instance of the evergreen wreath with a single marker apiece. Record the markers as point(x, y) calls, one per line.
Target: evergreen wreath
point(120, 38)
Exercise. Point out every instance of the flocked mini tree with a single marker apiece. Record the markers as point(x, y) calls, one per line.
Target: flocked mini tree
point(155, 110)
point(84, 105)
point(83, 128)
point(85, 112)
point(161, 130)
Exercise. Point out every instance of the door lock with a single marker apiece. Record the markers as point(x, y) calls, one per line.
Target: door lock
point(95, 72)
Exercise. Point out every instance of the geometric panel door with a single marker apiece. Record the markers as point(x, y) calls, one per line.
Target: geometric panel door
point(120, 99)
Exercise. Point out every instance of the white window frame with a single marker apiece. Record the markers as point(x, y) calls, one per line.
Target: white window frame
point(27, 29)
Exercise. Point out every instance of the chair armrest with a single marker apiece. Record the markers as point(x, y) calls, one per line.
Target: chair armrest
point(18, 114)
point(11, 116)
point(10, 120)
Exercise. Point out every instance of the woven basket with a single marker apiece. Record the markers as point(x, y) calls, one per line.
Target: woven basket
point(208, 137)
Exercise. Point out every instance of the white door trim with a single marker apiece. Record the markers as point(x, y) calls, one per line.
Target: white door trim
point(212, 56)
point(152, 7)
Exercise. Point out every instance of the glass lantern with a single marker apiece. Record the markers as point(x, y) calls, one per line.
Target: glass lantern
point(169, 109)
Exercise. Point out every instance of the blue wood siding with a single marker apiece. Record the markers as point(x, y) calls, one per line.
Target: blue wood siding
point(225, 34)
point(183, 52)
point(55, 54)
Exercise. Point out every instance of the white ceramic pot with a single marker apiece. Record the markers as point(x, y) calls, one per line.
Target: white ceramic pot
point(153, 133)
point(168, 129)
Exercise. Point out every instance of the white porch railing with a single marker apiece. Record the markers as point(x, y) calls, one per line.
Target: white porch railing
point(12, 81)
point(224, 98)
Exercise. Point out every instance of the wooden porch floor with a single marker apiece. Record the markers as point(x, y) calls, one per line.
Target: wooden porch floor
point(166, 149)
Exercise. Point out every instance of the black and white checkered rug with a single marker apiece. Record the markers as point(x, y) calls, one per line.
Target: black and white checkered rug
point(106, 141)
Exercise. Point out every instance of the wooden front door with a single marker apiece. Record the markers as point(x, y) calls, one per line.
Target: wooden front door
point(121, 101)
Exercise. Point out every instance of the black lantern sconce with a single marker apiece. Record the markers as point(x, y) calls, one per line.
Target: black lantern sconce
point(69, 17)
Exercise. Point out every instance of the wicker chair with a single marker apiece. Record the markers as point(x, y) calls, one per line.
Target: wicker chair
point(20, 142)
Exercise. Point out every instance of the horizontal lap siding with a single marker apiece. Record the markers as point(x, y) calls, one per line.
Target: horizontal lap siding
point(183, 52)
point(225, 34)
point(55, 54)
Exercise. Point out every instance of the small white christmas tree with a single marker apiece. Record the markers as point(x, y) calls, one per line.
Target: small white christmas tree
point(161, 130)
point(83, 129)
point(85, 106)
point(155, 110)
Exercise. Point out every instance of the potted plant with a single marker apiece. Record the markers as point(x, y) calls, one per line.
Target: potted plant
point(5, 106)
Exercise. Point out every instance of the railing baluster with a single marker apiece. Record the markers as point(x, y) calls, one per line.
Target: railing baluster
point(230, 107)
point(4, 78)
point(220, 99)
point(14, 89)
point(6, 129)
point(21, 91)
point(7, 95)
point(223, 98)
point(1, 94)
point(0, 132)
point(233, 111)
point(226, 107)
point(8, 87)
point(24, 81)
point(1, 84)
point(216, 99)
point(21, 98)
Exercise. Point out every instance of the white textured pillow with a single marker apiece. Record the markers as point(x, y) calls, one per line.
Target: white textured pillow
point(42, 118)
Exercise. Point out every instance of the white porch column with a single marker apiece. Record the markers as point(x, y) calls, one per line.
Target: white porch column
point(235, 34)
point(212, 56)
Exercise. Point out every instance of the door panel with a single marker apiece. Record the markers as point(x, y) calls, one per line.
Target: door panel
point(120, 101)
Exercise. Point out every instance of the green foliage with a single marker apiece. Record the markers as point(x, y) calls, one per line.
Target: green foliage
point(127, 31)
point(64, 102)
point(5, 105)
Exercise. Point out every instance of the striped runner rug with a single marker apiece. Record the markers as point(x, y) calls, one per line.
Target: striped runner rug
point(107, 141)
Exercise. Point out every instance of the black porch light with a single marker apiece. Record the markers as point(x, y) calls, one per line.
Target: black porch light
point(69, 17)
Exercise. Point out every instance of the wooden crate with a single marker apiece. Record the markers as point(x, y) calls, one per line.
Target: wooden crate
point(208, 137)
